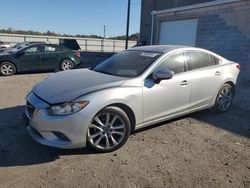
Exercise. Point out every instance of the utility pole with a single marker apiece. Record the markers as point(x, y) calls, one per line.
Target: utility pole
point(128, 18)
point(104, 32)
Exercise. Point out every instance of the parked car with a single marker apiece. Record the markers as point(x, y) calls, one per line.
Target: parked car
point(18, 46)
point(4, 45)
point(38, 57)
point(99, 107)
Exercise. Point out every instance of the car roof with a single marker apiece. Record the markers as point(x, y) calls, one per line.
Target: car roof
point(158, 48)
point(42, 43)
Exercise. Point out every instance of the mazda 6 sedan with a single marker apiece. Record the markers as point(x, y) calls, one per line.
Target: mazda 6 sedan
point(99, 107)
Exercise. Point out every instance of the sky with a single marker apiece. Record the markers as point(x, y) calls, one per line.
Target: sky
point(71, 16)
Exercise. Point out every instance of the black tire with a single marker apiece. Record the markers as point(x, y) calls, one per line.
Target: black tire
point(218, 106)
point(66, 64)
point(7, 69)
point(114, 141)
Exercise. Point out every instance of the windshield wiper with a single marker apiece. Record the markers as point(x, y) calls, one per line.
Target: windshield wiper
point(101, 71)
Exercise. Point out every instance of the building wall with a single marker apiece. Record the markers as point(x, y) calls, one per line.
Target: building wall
point(149, 5)
point(224, 29)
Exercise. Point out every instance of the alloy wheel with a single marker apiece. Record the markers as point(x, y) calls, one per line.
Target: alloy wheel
point(106, 131)
point(7, 69)
point(67, 65)
point(225, 98)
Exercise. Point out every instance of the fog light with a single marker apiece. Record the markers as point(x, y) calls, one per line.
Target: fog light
point(61, 136)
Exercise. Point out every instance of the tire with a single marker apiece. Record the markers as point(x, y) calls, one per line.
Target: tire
point(224, 98)
point(66, 64)
point(7, 69)
point(109, 130)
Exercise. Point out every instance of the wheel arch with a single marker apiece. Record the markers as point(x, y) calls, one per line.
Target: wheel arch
point(232, 84)
point(65, 58)
point(9, 62)
point(128, 111)
point(61, 61)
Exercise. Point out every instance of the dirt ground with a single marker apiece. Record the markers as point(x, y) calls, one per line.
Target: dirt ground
point(199, 150)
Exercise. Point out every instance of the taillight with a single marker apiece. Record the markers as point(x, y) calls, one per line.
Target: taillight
point(78, 54)
point(238, 66)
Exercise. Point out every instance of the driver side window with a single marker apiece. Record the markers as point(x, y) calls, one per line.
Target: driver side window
point(175, 63)
point(33, 49)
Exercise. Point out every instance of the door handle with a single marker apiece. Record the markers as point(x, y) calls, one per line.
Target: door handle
point(184, 82)
point(217, 73)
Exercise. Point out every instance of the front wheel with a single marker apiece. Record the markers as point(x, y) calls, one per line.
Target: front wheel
point(66, 65)
point(7, 69)
point(224, 98)
point(109, 130)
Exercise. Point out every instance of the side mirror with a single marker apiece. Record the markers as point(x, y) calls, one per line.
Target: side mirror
point(20, 53)
point(162, 75)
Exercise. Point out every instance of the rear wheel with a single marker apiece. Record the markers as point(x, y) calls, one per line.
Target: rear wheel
point(66, 65)
point(109, 130)
point(7, 69)
point(224, 98)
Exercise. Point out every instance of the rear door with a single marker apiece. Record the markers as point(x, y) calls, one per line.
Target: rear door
point(51, 56)
point(206, 76)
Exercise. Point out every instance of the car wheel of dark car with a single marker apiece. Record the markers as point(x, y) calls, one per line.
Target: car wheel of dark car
point(7, 69)
point(66, 65)
point(224, 98)
point(109, 130)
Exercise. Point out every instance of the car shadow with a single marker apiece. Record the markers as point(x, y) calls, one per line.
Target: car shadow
point(17, 148)
point(235, 120)
point(80, 66)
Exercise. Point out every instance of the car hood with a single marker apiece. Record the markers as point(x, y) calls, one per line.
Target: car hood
point(68, 85)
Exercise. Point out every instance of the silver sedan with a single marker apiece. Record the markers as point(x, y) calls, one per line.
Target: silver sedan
point(102, 105)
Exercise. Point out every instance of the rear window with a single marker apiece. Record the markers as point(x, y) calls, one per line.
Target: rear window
point(214, 60)
point(199, 60)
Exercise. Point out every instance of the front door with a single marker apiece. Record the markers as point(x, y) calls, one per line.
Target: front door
point(31, 58)
point(169, 97)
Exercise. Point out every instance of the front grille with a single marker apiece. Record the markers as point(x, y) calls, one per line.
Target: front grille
point(30, 109)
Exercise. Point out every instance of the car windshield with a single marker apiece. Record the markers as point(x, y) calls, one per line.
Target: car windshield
point(130, 63)
point(19, 45)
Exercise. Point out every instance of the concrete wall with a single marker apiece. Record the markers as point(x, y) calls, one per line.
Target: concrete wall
point(224, 29)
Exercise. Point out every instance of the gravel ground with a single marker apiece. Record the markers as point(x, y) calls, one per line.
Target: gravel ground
point(199, 150)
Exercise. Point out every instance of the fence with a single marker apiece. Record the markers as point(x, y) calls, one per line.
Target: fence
point(86, 44)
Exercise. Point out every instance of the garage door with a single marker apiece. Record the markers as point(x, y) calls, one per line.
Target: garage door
point(181, 32)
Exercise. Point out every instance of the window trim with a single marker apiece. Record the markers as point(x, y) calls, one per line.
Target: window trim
point(33, 53)
point(167, 56)
point(208, 53)
point(49, 51)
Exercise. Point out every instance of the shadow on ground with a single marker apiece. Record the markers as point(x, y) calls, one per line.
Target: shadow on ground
point(235, 120)
point(18, 149)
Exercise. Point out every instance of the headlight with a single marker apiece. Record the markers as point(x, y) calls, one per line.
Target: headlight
point(67, 108)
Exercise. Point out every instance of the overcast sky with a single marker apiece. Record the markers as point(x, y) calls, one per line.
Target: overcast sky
point(71, 16)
